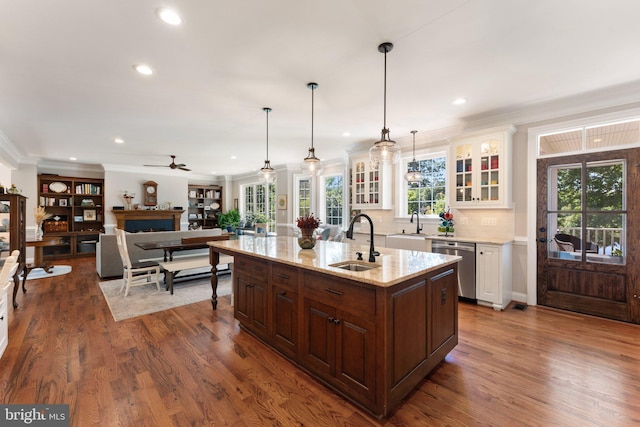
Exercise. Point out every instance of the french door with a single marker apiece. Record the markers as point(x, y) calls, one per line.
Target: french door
point(588, 233)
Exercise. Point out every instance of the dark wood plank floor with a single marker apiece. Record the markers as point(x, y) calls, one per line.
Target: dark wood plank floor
point(193, 366)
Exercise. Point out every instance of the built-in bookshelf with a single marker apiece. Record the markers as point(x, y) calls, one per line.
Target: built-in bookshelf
point(205, 203)
point(77, 206)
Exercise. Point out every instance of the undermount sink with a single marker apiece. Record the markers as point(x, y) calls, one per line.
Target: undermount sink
point(354, 265)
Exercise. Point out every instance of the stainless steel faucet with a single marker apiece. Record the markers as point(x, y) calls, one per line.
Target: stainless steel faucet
point(372, 252)
point(418, 228)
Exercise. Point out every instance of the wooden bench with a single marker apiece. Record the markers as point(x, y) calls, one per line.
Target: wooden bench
point(172, 268)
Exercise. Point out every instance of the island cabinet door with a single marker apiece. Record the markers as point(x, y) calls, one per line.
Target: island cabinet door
point(284, 302)
point(443, 297)
point(356, 354)
point(319, 338)
point(251, 303)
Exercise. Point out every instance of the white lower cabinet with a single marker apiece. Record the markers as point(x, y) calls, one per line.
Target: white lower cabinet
point(493, 275)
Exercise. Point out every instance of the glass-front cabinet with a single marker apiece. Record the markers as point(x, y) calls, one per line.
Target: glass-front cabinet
point(370, 184)
point(480, 172)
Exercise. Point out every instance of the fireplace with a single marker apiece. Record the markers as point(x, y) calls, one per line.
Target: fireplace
point(135, 221)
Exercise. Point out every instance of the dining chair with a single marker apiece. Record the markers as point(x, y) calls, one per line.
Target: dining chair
point(9, 269)
point(135, 274)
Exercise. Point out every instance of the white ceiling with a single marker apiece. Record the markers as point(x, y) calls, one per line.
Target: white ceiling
point(67, 86)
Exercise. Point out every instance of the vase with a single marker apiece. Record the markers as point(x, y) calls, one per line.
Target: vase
point(307, 238)
point(39, 232)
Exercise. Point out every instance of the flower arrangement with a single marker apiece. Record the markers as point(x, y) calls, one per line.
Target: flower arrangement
point(40, 214)
point(446, 222)
point(308, 221)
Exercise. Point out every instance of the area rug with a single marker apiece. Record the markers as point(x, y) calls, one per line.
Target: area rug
point(39, 273)
point(148, 299)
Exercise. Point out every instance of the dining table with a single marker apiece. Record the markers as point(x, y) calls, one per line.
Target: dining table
point(184, 244)
point(38, 246)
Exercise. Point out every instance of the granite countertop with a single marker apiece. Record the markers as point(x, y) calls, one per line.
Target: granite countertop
point(396, 265)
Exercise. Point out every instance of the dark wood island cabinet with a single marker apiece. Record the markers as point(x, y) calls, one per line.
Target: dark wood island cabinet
point(372, 336)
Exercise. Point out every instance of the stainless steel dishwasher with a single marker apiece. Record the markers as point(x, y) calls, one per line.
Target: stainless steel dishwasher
point(466, 267)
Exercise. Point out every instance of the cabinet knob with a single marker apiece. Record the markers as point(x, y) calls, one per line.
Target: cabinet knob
point(336, 321)
point(330, 319)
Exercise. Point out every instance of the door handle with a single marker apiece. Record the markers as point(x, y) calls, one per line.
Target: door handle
point(542, 240)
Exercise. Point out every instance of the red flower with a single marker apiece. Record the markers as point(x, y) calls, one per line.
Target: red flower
point(308, 221)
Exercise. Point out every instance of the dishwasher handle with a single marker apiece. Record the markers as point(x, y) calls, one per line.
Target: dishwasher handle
point(454, 247)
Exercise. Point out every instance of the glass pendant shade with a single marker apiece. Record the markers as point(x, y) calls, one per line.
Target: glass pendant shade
point(413, 174)
point(385, 151)
point(266, 173)
point(311, 165)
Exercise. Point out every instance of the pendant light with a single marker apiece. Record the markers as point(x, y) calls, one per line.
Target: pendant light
point(385, 151)
point(311, 165)
point(413, 174)
point(267, 174)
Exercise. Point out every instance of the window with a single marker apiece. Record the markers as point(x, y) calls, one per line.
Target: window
point(259, 200)
point(587, 211)
point(304, 196)
point(333, 200)
point(428, 196)
point(599, 137)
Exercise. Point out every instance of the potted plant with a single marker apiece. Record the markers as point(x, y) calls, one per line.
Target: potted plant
point(229, 220)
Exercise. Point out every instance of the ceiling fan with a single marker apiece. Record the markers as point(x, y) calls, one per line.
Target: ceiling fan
point(172, 165)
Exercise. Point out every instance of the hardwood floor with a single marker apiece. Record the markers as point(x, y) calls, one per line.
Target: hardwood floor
point(193, 366)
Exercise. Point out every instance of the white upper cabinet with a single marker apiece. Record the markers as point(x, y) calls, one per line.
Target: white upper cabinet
point(480, 171)
point(370, 185)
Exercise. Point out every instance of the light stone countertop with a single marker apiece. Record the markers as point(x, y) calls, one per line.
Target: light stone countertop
point(396, 265)
point(489, 240)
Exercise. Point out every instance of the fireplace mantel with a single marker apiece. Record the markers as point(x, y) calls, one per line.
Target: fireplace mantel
point(122, 216)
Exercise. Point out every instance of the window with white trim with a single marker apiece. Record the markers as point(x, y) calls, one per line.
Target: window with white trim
point(428, 196)
point(260, 200)
point(332, 199)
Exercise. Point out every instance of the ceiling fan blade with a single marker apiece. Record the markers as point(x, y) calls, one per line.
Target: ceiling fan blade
point(180, 165)
point(184, 169)
point(156, 166)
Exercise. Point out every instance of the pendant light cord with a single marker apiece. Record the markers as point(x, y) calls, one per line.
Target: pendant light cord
point(385, 89)
point(267, 110)
point(313, 88)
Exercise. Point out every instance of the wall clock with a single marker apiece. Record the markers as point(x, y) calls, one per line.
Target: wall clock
point(150, 193)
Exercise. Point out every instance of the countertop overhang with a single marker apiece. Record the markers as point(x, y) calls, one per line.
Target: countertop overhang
point(395, 265)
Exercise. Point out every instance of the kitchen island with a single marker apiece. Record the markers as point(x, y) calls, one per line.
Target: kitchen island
point(369, 331)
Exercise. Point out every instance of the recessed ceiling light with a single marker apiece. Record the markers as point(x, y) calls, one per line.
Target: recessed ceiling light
point(143, 69)
point(346, 133)
point(169, 16)
point(460, 101)
point(118, 141)
point(73, 158)
point(234, 157)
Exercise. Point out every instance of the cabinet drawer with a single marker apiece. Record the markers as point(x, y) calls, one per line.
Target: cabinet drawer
point(284, 275)
point(251, 267)
point(346, 296)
